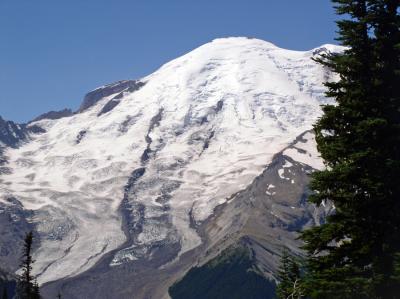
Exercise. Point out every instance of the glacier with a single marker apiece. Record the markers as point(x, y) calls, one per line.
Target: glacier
point(145, 166)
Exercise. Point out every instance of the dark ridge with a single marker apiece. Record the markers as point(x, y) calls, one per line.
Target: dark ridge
point(207, 141)
point(12, 134)
point(146, 154)
point(94, 96)
point(54, 115)
point(219, 106)
point(154, 122)
point(35, 129)
point(80, 136)
point(115, 100)
point(108, 107)
point(133, 213)
point(135, 175)
point(138, 85)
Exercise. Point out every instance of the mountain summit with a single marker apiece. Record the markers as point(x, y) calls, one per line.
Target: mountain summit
point(154, 176)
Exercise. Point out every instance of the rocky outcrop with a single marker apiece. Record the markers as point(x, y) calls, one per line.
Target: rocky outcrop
point(12, 134)
point(14, 225)
point(54, 115)
point(269, 213)
point(94, 96)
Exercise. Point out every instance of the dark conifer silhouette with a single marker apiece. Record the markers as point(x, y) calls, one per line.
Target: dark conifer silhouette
point(289, 276)
point(353, 255)
point(5, 294)
point(27, 287)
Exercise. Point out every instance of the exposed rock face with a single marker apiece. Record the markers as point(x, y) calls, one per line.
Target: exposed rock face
point(111, 89)
point(14, 225)
point(272, 209)
point(11, 134)
point(109, 106)
point(149, 180)
point(54, 115)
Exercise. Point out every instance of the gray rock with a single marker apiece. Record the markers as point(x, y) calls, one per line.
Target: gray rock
point(94, 96)
point(12, 134)
point(54, 115)
point(109, 106)
point(14, 224)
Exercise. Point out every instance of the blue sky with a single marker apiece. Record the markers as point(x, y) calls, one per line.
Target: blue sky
point(53, 52)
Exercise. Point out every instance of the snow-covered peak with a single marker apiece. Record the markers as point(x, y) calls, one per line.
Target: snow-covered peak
point(193, 133)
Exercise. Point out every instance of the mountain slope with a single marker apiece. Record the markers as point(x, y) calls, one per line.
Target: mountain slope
point(133, 178)
point(231, 275)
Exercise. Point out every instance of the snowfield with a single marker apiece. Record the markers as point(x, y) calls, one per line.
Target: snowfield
point(200, 129)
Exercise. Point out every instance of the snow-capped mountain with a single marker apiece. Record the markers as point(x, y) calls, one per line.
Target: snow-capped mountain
point(152, 174)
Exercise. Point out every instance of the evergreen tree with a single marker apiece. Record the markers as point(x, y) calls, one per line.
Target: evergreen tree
point(289, 277)
point(27, 287)
point(36, 291)
point(5, 295)
point(353, 255)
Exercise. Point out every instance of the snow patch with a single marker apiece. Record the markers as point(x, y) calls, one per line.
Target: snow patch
point(305, 151)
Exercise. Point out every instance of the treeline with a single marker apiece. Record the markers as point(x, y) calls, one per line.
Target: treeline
point(356, 253)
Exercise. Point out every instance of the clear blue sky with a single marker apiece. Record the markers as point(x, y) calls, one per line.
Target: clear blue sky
point(53, 52)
